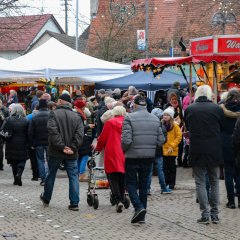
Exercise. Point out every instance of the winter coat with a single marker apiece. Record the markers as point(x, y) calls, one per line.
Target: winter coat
point(141, 134)
point(174, 137)
point(17, 145)
point(204, 121)
point(186, 102)
point(65, 128)
point(110, 141)
point(37, 131)
point(236, 142)
point(85, 148)
point(102, 109)
point(227, 131)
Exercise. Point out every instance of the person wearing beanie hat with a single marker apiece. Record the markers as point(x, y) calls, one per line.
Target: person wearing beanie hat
point(65, 136)
point(157, 112)
point(85, 150)
point(141, 135)
point(170, 147)
point(169, 111)
point(38, 138)
point(66, 92)
point(66, 98)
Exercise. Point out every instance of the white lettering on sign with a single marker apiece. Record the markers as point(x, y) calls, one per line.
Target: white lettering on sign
point(202, 47)
point(233, 44)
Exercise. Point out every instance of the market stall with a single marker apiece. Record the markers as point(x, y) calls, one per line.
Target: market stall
point(219, 56)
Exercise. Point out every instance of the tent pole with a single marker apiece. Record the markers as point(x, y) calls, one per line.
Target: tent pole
point(190, 83)
point(215, 87)
point(76, 25)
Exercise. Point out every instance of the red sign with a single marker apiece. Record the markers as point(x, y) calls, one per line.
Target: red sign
point(229, 45)
point(202, 47)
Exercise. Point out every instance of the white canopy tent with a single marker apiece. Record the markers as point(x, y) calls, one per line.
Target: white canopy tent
point(56, 60)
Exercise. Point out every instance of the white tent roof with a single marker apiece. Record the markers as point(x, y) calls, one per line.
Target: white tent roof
point(54, 59)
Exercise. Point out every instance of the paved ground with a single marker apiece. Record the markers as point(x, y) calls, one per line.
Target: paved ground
point(23, 217)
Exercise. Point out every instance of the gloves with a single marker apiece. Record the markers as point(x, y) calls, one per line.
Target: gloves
point(170, 150)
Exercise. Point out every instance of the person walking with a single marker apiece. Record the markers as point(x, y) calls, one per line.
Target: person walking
point(170, 147)
point(231, 109)
point(4, 113)
point(158, 161)
point(38, 138)
point(14, 130)
point(204, 121)
point(141, 134)
point(65, 131)
point(114, 159)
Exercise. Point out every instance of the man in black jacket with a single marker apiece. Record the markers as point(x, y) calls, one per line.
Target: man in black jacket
point(204, 120)
point(38, 137)
point(66, 132)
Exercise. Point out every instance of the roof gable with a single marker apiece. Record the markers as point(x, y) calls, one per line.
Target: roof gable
point(17, 33)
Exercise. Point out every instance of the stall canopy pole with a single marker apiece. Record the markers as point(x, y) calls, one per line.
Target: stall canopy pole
point(190, 83)
point(184, 75)
point(206, 75)
point(215, 87)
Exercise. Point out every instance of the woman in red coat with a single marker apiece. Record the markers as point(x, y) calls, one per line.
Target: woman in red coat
point(114, 159)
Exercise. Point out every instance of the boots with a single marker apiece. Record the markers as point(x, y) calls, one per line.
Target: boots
point(14, 176)
point(231, 203)
point(18, 176)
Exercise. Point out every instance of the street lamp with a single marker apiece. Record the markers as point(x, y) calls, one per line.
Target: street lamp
point(224, 16)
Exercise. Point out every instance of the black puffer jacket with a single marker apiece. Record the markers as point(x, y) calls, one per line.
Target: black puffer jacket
point(65, 128)
point(17, 145)
point(38, 132)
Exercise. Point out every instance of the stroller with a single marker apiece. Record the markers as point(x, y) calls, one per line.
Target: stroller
point(98, 180)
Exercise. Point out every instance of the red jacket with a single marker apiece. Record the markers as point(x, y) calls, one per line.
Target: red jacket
point(110, 141)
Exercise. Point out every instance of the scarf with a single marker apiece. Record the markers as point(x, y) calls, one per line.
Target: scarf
point(81, 112)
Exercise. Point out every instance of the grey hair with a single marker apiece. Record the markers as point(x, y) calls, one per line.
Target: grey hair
point(17, 110)
point(223, 96)
point(204, 91)
point(119, 111)
point(132, 90)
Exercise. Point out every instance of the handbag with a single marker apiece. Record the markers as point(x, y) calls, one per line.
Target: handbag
point(6, 131)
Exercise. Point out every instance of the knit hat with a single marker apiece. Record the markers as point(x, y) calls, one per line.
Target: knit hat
point(157, 112)
point(102, 91)
point(169, 111)
point(65, 92)
point(80, 103)
point(42, 104)
point(65, 97)
point(140, 100)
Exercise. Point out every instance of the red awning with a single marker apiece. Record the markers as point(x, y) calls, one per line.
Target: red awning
point(216, 58)
point(161, 61)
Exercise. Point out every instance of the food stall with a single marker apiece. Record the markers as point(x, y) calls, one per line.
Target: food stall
point(218, 56)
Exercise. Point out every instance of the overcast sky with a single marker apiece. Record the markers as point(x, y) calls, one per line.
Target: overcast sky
point(57, 9)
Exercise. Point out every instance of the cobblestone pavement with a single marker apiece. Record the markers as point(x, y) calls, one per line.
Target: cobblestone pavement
point(168, 217)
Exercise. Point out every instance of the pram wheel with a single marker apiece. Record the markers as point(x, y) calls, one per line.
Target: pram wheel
point(91, 164)
point(95, 201)
point(90, 199)
point(111, 199)
point(126, 202)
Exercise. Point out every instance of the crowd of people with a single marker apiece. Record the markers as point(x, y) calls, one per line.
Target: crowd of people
point(134, 139)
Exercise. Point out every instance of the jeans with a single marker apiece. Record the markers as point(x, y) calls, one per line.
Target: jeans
point(170, 170)
point(200, 181)
point(161, 178)
point(34, 163)
point(232, 175)
point(1, 154)
point(82, 162)
point(137, 175)
point(72, 172)
point(42, 165)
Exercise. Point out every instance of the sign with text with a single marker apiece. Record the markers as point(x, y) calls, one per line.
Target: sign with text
point(229, 45)
point(141, 40)
point(202, 47)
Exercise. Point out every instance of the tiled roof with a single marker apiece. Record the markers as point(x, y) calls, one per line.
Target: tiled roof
point(69, 41)
point(168, 20)
point(17, 33)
